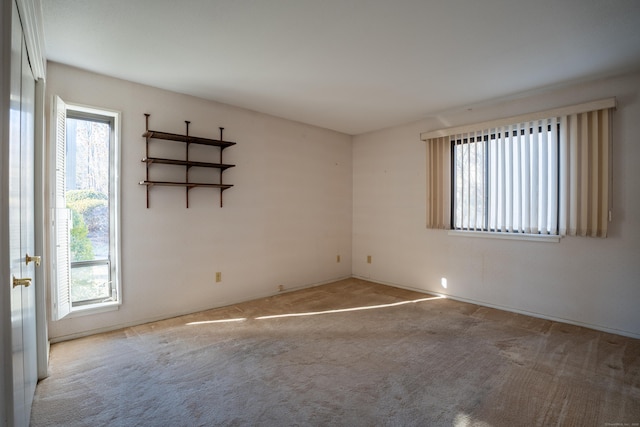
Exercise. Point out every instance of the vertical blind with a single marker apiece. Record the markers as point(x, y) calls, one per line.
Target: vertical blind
point(439, 182)
point(585, 141)
point(506, 178)
point(543, 174)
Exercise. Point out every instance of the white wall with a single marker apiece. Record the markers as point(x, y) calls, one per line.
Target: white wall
point(298, 190)
point(283, 223)
point(587, 281)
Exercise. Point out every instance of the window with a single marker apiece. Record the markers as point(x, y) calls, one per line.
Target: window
point(506, 180)
point(86, 212)
point(546, 173)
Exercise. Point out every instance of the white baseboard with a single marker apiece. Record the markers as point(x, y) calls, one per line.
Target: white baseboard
point(506, 308)
point(118, 326)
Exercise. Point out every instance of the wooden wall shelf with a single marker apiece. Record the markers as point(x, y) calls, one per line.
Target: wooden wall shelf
point(187, 163)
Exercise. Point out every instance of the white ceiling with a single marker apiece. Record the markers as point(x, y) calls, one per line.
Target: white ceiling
point(349, 65)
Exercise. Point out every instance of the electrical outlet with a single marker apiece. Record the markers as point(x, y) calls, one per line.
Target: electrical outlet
point(337, 258)
point(368, 259)
point(218, 277)
point(280, 288)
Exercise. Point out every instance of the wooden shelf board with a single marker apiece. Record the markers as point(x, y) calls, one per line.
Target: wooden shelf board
point(185, 184)
point(189, 163)
point(190, 139)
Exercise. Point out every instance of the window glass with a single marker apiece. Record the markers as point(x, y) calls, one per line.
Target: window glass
point(506, 181)
point(87, 196)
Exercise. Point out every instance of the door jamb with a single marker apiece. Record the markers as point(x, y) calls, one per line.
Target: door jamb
point(42, 273)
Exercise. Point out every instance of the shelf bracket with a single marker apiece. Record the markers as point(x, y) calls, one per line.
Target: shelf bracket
point(221, 149)
point(187, 167)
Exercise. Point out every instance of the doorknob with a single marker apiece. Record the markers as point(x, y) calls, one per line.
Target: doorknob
point(21, 282)
point(35, 259)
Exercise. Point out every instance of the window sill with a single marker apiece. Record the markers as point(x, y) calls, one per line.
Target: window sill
point(506, 236)
point(93, 309)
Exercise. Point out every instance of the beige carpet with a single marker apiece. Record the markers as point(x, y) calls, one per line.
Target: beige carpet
point(405, 360)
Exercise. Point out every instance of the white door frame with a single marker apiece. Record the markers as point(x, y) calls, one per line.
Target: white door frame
point(42, 274)
point(6, 380)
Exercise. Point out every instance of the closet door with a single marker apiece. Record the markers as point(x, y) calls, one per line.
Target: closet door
point(21, 228)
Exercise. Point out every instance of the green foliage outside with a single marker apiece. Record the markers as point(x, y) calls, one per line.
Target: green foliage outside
point(84, 205)
point(77, 195)
point(81, 247)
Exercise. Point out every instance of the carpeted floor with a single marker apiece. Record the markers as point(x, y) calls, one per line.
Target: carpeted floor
point(408, 359)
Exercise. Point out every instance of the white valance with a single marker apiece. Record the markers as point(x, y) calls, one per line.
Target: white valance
point(539, 115)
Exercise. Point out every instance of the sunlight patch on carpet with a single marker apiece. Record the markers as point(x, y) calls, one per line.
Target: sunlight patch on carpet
point(344, 310)
point(465, 420)
point(205, 322)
